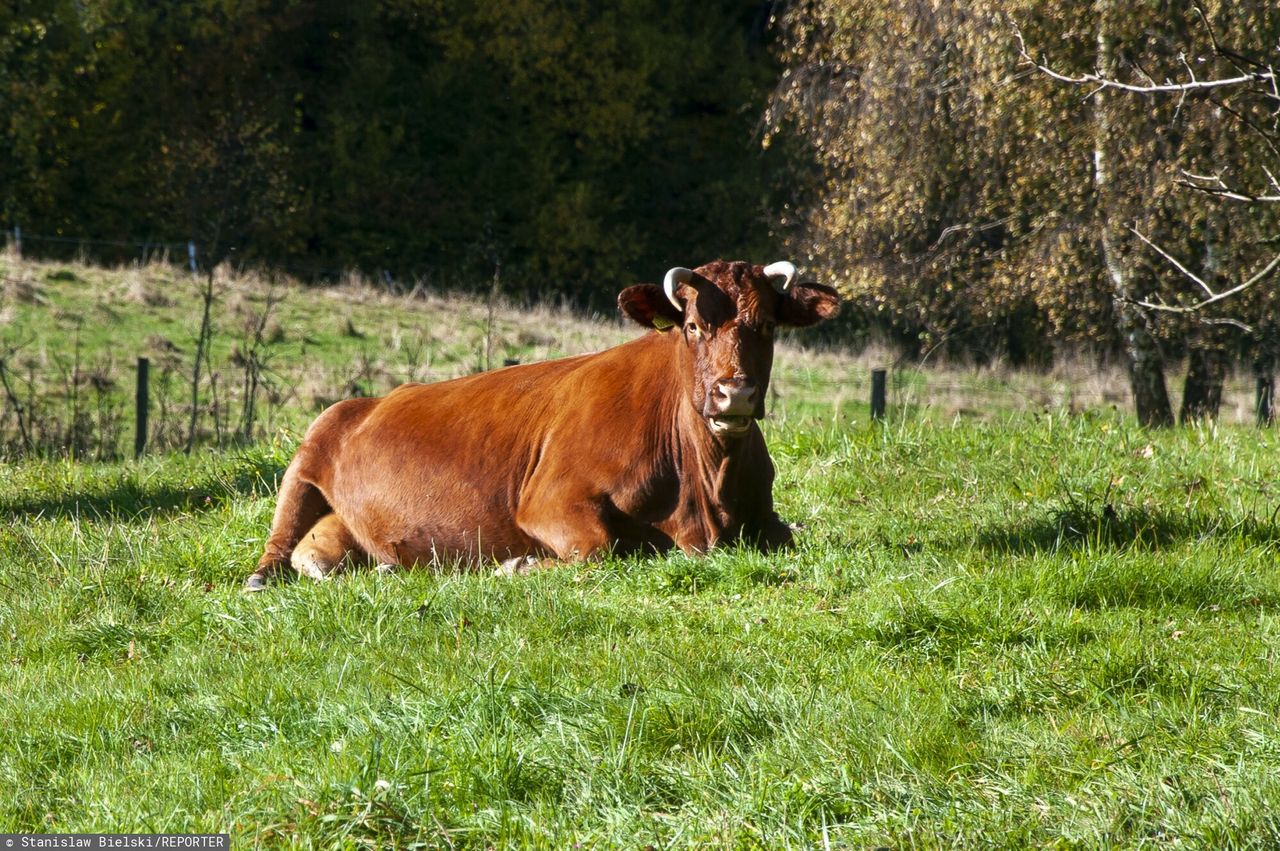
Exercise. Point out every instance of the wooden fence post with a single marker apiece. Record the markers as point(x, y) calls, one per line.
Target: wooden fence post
point(140, 422)
point(191, 255)
point(878, 394)
point(17, 240)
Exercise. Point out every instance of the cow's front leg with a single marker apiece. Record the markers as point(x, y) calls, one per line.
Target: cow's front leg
point(574, 531)
point(575, 528)
point(773, 534)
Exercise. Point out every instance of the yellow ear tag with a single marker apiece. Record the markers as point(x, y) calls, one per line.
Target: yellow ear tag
point(662, 323)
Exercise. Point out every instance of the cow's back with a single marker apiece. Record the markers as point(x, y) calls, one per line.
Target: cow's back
point(438, 469)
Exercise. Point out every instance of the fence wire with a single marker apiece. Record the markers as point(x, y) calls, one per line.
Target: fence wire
point(88, 410)
point(64, 406)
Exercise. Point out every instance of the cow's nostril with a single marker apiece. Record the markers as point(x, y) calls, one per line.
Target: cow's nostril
point(735, 396)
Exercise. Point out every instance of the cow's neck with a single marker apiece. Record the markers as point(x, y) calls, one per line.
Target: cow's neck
point(709, 473)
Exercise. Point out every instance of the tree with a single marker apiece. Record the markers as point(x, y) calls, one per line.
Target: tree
point(579, 144)
point(1244, 90)
point(1146, 362)
point(968, 199)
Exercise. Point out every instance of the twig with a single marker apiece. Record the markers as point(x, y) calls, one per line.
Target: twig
point(1166, 255)
point(1213, 297)
point(1226, 320)
point(488, 325)
point(1267, 76)
point(1213, 184)
point(17, 406)
point(972, 227)
point(254, 364)
point(201, 343)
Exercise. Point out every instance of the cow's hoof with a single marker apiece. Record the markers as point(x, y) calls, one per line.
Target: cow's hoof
point(518, 566)
point(255, 582)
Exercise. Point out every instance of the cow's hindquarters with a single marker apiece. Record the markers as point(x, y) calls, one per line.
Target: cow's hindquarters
point(298, 508)
point(301, 503)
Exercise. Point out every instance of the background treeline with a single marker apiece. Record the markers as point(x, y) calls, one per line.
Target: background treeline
point(910, 152)
point(577, 144)
point(972, 201)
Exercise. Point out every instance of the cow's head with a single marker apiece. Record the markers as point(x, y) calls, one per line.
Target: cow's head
point(725, 314)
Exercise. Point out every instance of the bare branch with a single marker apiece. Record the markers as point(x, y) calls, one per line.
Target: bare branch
point(1225, 320)
point(1193, 85)
point(1173, 260)
point(1182, 57)
point(1237, 61)
point(1212, 184)
point(971, 227)
point(1166, 88)
point(1268, 137)
point(18, 410)
point(1213, 297)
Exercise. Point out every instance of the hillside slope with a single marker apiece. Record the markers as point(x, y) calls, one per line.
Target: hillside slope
point(70, 336)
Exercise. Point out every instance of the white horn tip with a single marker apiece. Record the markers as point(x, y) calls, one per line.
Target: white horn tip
point(675, 276)
point(782, 268)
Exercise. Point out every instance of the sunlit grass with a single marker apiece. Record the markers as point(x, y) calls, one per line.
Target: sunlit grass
point(1054, 631)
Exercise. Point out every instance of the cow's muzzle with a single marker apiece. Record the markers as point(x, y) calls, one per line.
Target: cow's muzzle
point(731, 405)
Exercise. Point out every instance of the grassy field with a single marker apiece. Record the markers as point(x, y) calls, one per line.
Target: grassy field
point(1034, 630)
point(70, 335)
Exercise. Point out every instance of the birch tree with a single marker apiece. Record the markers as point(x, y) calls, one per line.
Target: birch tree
point(968, 198)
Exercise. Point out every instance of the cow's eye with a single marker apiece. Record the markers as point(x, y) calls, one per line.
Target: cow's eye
point(691, 328)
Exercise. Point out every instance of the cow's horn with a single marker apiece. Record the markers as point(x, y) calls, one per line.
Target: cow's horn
point(676, 276)
point(782, 267)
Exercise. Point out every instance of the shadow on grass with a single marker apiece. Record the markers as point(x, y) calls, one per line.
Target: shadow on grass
point(1079, 526)
point(126, 495)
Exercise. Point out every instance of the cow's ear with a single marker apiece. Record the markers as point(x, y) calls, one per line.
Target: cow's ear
point(807, 304)
point(647, 304)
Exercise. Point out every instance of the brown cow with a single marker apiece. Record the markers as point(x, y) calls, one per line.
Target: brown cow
point(640, 447)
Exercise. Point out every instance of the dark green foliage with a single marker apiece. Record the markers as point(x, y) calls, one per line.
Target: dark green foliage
point(575, 145)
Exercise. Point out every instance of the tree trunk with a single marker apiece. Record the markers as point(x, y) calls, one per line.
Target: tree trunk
point(1146, 363)
point(1146, 371)
point(1264, 374)
point(1207, 358)
point(1202, 391)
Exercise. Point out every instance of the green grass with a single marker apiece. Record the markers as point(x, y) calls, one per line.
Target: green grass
point(1055, 631)
point(70, 336)
point(998, 629)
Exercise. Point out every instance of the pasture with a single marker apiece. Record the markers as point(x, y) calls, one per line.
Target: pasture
point(1035, 629)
